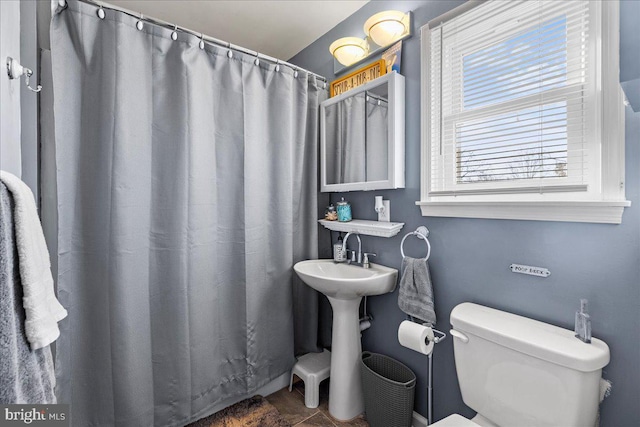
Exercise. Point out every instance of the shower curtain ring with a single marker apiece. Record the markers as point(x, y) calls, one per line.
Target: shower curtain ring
point(257, 61)
point(140, 24)
point(277, 65)
point(230, 52)
point(101, 13)
point(174, 34)
point(201, 44)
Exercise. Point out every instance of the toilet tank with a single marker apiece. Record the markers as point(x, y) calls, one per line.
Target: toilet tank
point(516, 371)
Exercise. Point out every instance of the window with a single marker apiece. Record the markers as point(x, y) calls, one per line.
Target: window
point(523, 114)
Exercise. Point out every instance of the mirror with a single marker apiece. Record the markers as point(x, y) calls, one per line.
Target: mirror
point(362, 137)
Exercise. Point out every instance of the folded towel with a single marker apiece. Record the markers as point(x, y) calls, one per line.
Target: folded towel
point(42, 308)
point(416, 293)
point(25, 376)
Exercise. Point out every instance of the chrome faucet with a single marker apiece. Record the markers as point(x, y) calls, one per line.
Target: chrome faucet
point(353, 253)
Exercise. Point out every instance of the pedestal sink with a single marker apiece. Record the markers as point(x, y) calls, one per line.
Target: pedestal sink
point(345, 285)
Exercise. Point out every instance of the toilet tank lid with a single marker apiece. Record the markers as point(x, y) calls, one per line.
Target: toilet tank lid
point(538, 339)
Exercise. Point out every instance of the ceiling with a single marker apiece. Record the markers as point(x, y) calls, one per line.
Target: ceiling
point(277, 28)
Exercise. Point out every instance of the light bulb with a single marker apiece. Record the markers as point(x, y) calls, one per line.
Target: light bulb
point(386, 27)
point(349, 50)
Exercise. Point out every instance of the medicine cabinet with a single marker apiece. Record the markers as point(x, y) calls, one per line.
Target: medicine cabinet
point(362, 137)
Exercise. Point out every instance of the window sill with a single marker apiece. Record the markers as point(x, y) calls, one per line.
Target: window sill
point(605, 212)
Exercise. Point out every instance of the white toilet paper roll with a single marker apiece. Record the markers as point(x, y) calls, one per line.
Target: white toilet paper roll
point(416, 337)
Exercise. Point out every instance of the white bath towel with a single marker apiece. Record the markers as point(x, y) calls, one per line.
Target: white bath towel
point(26, 376)
point(43, 311)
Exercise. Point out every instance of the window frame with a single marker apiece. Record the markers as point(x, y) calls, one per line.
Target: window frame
point(604, 202)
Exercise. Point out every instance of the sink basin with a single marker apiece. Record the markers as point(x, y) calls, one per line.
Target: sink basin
point(345, 285)
point(345, 281)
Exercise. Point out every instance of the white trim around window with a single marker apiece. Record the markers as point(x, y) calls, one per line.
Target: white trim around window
point(573, 117)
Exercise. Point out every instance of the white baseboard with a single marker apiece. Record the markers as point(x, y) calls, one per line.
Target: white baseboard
point(419, 420)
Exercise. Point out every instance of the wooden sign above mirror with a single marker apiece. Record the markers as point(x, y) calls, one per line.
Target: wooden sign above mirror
point(358, 78)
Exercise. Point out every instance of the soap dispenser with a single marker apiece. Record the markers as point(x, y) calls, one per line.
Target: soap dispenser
point(583, 323)
point(338, 254)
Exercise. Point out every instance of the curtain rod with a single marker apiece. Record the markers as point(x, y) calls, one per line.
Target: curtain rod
point(376, 97)
point(206, 38)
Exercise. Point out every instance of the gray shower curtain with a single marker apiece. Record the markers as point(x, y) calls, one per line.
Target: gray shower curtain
point(186, 190)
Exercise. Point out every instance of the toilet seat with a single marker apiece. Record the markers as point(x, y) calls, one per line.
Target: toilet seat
point(455, 420)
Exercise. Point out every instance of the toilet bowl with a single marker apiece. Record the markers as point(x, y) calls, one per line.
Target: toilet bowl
point(513, 370)
point(455, 420)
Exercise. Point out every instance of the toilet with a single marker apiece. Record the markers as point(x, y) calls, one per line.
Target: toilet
point(516, 371)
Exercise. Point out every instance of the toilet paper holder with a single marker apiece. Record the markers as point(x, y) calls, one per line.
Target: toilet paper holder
point(438, 335)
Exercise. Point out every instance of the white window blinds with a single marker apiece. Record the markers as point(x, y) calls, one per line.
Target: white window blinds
point(512, 99)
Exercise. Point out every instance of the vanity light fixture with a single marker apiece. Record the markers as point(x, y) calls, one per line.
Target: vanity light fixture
point(381, 30)
point(349, 50)
point(386, 27)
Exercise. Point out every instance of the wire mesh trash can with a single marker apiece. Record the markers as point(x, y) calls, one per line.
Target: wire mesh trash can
point(389, 388)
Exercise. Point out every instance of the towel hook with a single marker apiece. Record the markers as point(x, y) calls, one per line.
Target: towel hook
point(15, 71)
point(421, 233)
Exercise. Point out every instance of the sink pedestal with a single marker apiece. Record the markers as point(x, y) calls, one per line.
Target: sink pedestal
point(345, 388)
point(345, 285)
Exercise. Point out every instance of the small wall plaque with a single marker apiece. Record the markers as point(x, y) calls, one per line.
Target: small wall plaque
point(527, 269)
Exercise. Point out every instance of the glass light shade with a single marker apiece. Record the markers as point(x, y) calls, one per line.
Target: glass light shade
point(349, 50)
point(386, 27)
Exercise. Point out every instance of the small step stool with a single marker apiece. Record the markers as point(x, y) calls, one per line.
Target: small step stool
point(312, 368)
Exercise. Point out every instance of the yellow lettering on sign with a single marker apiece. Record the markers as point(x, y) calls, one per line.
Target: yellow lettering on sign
point(358, 77)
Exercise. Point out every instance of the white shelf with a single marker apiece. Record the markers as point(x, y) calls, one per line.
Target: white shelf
point(361, 226)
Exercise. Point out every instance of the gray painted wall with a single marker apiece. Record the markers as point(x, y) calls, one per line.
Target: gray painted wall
point(470, 257)
point(10, 154)
point(19, 117)
point(629, 58)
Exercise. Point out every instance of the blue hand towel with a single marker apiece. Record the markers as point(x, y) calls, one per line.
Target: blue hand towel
point(416, 292)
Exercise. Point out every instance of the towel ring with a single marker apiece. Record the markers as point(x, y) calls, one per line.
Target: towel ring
point(421, 233)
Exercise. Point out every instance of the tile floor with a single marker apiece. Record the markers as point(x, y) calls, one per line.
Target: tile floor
point(292, 408)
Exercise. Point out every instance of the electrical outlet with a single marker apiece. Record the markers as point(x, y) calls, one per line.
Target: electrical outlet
point(385, 216)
